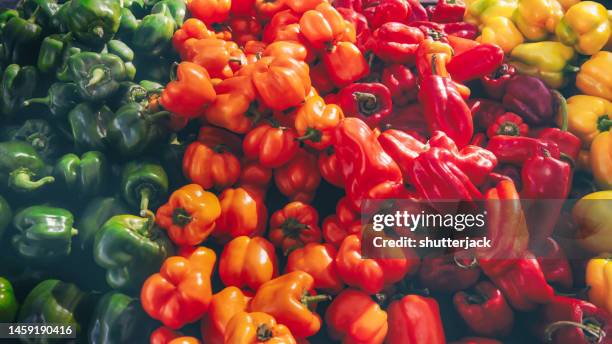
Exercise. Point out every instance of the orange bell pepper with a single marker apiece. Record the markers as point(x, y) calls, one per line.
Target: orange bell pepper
point(210, 166)
point(181, 292)
point(284, 26)
point(266, 9)
point(232, 107)
point(248, 262)
point(354, 317)
point(299, 178)
point(257, 328)
point(192, 28)
point(189, 215)
point(294, 50)
point(301, 6)
point(190, 93)
point(345, 64)
point(255, 178)
point(293, 226)
point(287, 298)
point(220, 58)
point(210, 11)
point(323, 25)
point(241, 214)
point(223, 306)
point(316, 121)
point(281, 82)
point(163, 335)
point(271, 144)
point(318, 260)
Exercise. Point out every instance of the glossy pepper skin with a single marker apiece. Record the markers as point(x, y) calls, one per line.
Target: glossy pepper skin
point(599, 278)
point(210, 11)
point(601, 159)
point(549, 61)
point(223, 306)
point(368, 171)
point(589, 79)
point(242, 213)
point(54, 301)
point(389, 11)
point(220, 58)
point(414, 319)
point(590, 216)
point(370, 102)
point(41, 135)
point(570, 320)
point(232, 107)
point(396, 42)
point(322, 25)
point(485, 310)
point(20, 165)
point(495, 82)
point(85, 175)
point(287, 298)
point(248, 262)
point(6, 215)
point(281, 82)
point(537, 18)
point(256, 327)
point(17, 85)
point(118, 318)
point(315, 122)
point(50, 53)
point(517, 149)
point(94, 22)
point(529, 98)
point(318, 260)
point(88, 123)
point(474, 63)
point(401, 82)
point(19, 38)
point(587, 117)
point(441, 273)
point(329, 167)
point(61, 98)
point(271, 144)
point(509, 124)
point(143, 184)
point(95, 213)
point(354, 317)
point(448, 11)
point(299, 178)
point(585, 26)
point(293, 226)
point(501, 31)
point(97, 76)
point(8, 301)
point(130, 248)
point(154, 33)
point(189, 215)
point(554, 263)
point(345, 64)
point(181, 292)
point(211, 166)
point(190, 92)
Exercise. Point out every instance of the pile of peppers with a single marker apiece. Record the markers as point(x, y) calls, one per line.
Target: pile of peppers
point(195, 171)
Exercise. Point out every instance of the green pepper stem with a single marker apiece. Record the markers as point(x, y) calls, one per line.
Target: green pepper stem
point(509, 129)
point(145, 194)
point(309, 300)
point(264, 333)
point(74, 231)
point(43, 100)
point(98, 31)
point(563, 108)
point(311, 134)
point(591, 330)
point(22, 180)
point(96, 76)
point(604, 123)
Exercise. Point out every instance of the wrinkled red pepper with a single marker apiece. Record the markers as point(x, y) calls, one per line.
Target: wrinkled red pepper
point(381, 12)
point(401, 82)
point(461, 29)
point(569, 144)
point(476, 62)
point(495, 83)
point(554, 263)
point(448, 11)
point(408, 119)
point(370, 102)
point(517, 149)
point(402, 147)
point(485, 112)
point(441, 273)
point(362, 28)
point(485, 310)
point(396, 42)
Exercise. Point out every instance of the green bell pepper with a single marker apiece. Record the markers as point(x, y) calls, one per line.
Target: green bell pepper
point(133, 129)
point(6, 15)
point(88, 124)
point(131, 248)
point(143, 184)
point(129, 92)
point(97, 75)
point(8, 301)
point(120, 49)
point(54, 302)
point(94, 215)
point(177, 8)
point(44, 232)
point(18, 84)
point(94, 22)
point(129, 24)
point(42, 136)
point(20, 39)
point(6, 215)
point(50, 53)
point(155, 31)
point(119, 319)
point(19, 165)
point(61, 98)
point(151, 86)
point(84, 176)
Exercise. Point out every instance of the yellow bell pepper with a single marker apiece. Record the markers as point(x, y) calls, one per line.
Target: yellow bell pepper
point(599, 280)
point(585, 26)
point(594, 77)
point(549, 61)
point(537, 18)
point(500, 31)
point(587, 116)
point(593, 216)
point(478, 11)
point(601, 160)
point(568, 3)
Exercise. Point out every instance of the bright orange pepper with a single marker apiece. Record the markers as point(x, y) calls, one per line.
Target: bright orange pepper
point(301, 6)
point(318, 260)
point(345, 64)
point(184, 340)
point(210, 11)
point(248, 262)
point(281, 82)
point(286, 48)
point(299, 178)
point(231, 109)
point(271, 144)
point(241, 214)
point(293, 226)
point(257, 328)
point(316, 121)
point(223, 306)
point(220, 58)
point(193, 28)
point(210, 167)
point(323, 25)
point(266, 9)
point(190, 93)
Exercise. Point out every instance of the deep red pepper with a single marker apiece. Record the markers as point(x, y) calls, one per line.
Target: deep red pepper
point(509, 124)
point(461, 29)
point(402, 147)
point(485, 112)
point(569, 144)
point(368, 171)
point(554, 263)
point(430, 30)
point(401, 82)
point(355, 5)
point(442, 273)
point(418, 12)
point(408, 119)
point(530, 98)
point(396, 42)
point(476, 62)
point(485, 310)
point(448, 11)
point(370, 102)
point(329, 167)
point(495, 83)
point(518, 149)
point(415, 319)
point(570, 320)
point(362, 28)
point(381, 12)
point(445, 109)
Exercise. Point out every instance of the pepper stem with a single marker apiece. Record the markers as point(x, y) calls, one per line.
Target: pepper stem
point(264, 333)
point(509, 129)
point(43, 100)
point(571, 69)
point(310, 300)
point(96, 76)
point(145, 194)
point(311, 134)
point(591, 330)
point(292, 227)
point(367, 102)
point(563, 108)
point(98, 31)
point(21, 179)
point(74, 231)
point(181, 217)
point(604, 123)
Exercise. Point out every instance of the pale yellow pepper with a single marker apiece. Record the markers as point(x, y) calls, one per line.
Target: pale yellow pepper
point(586, 27)
point(592, 215)
point(478, 11)
point(601, 161)
point(502, 32)
point(536, 19)
point(599, 280)
point(595, 76)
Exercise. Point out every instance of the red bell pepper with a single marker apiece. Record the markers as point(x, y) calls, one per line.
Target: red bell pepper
point(554, 263)
point(333, 231)
point(569, 144)
point(362, 28)
point(329, 167)
point(485, 112)
point(431, 30)
point(381, 12)
point(495, 82)
point(569, 320)
point(415, 319)
point(509, 124)
point(444, 107)
point(396, 42)
point(285, 20)
point(448, 11)
point(518, 149)
point(401, 82)
point(345, 64)
point(461, 29)
point(441, 273)
point(485, 310)
point(368, 171)
point(345, 222)
point(402, 147)
point(408, 119)
point(299, 178)
point(476, 62)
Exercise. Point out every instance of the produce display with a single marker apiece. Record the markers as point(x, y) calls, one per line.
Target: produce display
point(221, 171)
